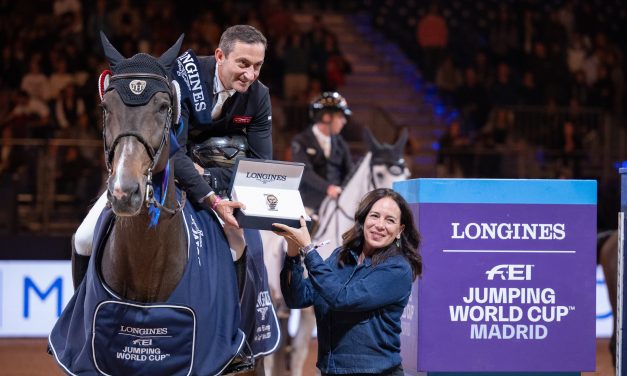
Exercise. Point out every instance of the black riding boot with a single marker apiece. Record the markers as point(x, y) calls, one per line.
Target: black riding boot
point(79, 266)
point(240, 272)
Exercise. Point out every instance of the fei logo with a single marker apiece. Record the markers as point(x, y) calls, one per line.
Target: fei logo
point(510, 272)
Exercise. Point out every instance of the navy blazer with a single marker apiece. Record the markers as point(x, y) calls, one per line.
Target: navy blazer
point(248, 113)
point(315, 180)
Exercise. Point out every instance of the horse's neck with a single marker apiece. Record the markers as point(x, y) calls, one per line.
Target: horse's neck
point(144, 263)
point(359, 184)
point(338, 214)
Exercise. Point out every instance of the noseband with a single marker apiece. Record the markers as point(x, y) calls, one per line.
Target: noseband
point(152, 153)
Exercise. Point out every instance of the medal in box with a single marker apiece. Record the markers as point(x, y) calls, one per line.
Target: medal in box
point(269, 189)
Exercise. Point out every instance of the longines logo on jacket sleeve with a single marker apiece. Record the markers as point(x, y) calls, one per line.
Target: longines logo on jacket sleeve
point(188, 71)
point(265, 178)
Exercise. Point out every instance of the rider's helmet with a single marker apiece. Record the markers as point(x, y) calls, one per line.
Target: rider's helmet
point(328, 102)
point(220, 151)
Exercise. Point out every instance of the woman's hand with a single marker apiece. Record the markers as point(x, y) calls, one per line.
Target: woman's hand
point(296, 237)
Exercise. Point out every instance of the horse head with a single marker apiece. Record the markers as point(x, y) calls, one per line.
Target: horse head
point(140, 103)
point(387, 163)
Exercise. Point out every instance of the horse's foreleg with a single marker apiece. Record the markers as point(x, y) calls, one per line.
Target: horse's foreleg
point(300, 345)
point(268, 364)
point(260, 367)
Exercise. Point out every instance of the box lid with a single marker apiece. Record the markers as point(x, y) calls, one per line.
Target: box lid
point(267, 174)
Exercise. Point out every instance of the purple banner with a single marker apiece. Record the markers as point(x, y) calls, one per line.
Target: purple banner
point(506, 287)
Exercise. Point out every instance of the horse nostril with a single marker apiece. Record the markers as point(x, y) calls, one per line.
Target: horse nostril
point(380, 175)
point(118, 193)
point(122, 191)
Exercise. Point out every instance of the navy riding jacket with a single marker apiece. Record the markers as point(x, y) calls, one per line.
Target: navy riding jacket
point(358, 309)
point(320, 171)
point(248, 114)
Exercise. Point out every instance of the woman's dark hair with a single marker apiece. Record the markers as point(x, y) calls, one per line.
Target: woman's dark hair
point(410, 239)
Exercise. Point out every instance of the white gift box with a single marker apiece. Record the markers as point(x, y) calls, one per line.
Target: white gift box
point(269, 189)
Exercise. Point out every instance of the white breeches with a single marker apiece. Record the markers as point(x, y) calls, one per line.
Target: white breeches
point(84, 235)
point(83, 238)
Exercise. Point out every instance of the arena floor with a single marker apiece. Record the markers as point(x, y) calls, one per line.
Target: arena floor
point(28, 357)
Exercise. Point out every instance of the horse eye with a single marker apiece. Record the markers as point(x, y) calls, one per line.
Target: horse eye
point(395, 170)
point(380, 175)
point(163, 108)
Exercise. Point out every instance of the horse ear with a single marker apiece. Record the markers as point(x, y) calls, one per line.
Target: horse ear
point(110, 52)
point(399, 145)
point(373, 144)
point(168, 57)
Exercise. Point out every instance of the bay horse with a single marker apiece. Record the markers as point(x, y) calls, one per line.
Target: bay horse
point(160, 296)
point(379, 168)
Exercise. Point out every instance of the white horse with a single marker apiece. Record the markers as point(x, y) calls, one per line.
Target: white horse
point(380, 167)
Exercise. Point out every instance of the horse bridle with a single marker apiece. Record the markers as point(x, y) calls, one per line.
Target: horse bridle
point(154, 155)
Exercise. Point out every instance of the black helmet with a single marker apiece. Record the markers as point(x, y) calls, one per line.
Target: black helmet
point(329, 100)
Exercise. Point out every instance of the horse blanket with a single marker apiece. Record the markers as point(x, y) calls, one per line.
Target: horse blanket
point(259, 319)
point(195, 332)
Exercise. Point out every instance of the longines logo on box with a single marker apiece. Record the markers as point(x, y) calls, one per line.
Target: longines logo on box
point(265, 178)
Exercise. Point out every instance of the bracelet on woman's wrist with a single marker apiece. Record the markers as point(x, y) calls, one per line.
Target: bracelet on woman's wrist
point(306, 249)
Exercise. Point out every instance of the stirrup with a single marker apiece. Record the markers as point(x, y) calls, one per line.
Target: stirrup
point(243, 363)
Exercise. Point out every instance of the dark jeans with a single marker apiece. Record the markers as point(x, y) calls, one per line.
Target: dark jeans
point(394, 371)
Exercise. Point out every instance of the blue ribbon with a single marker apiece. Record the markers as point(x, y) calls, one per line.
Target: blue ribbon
point(154, 211)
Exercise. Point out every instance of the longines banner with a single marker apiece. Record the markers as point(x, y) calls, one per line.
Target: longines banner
point(509, 276)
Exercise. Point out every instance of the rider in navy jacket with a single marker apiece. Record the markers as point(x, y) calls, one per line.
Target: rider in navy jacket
point(324, 173)
point(247, 112)
point(241, 122)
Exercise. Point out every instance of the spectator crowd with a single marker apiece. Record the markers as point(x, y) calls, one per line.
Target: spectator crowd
point(495, 60)
point(51, 60)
